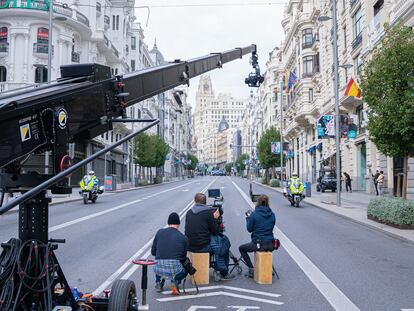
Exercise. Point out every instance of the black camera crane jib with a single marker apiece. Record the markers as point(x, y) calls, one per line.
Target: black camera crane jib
point(81, 105)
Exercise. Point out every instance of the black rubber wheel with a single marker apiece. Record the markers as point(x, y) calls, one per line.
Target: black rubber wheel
point(85, 199)
point(297, 204)
point(333, 190)
point(123, 296)
point(318, 189)
point(94, 200)
point(323, 189)
point(292, 204)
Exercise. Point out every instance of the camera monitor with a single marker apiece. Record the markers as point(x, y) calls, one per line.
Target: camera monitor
point(214, 193)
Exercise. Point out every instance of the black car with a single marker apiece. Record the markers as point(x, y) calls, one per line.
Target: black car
point(327, 181)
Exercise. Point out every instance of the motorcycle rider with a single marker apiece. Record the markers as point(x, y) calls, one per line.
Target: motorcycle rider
point(91, 175)
point(294, 185)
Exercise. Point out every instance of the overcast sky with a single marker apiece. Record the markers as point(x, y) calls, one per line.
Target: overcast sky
point(192, 29)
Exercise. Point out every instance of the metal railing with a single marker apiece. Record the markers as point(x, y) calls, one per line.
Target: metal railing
point(357, 41)
point(41, 48)
point(82, 18)
point(4, 47)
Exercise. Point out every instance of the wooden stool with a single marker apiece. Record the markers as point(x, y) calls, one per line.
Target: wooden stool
point(200, 261)
point(263, 267)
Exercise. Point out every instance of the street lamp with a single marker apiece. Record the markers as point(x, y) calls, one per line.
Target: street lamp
point(336, 92)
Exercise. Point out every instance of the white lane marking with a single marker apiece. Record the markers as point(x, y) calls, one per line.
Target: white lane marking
point(407, 309)
point(243, 308)
point(244, 290)
point(114, 275)
point(78, 220)
point(333, 294)
point(220, 293)
point(194, 308)
point(131, 270)
point(118, 272)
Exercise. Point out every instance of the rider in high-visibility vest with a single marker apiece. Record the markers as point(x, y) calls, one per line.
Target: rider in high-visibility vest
point(87, 179)
point(295, 186)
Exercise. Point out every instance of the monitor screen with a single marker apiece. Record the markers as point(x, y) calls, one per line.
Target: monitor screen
point(214, 193)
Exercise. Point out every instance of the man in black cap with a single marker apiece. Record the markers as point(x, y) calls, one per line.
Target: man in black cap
point(170, 248)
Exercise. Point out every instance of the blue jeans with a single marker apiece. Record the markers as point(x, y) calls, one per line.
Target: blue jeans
point(178, 277)
point(208, 249)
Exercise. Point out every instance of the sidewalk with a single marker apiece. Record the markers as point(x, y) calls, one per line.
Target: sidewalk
point(354, 207)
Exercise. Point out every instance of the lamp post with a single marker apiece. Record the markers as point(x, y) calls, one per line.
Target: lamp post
point(336, 94)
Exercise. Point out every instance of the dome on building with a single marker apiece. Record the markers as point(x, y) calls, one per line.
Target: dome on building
point(158, 57)
point(223, 125)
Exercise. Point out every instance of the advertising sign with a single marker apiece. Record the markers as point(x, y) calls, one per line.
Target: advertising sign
point(348, 128)
point(275, 147)
point(325, 126)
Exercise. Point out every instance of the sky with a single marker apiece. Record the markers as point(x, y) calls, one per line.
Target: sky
point(186, 29)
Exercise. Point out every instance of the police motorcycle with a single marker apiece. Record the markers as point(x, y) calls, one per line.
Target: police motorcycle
point(89, 188)
point(294, 191)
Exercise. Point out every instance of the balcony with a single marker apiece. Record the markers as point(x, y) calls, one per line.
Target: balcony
point(107, 21)
point(75, 57)
point(41, 50)
point(357, 42)
point(4, 48)
point(307, 75)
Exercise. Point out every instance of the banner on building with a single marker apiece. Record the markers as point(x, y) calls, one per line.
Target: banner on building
point(348, 128)
point(286, 148)
point(325, 126)
point(275, 147)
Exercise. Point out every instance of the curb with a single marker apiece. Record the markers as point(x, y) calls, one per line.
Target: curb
point(371, 226)
point(16, 209)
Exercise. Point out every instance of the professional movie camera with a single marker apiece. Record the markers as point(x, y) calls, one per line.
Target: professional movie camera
point(254, 79)
point(218, 201)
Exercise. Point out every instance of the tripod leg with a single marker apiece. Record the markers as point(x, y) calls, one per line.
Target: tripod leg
point(67, 295)
point(274, 270)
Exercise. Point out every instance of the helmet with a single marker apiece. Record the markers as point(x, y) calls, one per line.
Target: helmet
point(91, 173)
point(294, 174)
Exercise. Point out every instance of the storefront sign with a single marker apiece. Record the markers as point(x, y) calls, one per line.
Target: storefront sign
point(25, 4)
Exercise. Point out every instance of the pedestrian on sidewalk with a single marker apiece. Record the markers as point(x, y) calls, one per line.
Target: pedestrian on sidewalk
point(375, 177)
point(380, 183)
point(348, 181)
point(170, 249)
point(260, 223)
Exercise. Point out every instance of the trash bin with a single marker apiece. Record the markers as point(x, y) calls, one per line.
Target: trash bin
point(308, 189)
point(110, 183)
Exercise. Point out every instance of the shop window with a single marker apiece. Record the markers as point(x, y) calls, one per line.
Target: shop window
point(4, 45)
point(3, 74)
point(40, 74)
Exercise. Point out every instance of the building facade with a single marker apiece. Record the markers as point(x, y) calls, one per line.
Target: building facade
point(209, 111)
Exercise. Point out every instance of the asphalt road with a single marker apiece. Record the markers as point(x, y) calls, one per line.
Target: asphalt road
point(325, 263)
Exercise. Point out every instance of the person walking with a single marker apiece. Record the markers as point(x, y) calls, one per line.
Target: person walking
point(380, 183)
point(375, 177)
point(348, 180)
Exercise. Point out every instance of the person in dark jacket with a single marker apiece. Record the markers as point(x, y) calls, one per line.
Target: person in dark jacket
point(200, 226)
point(260, 223)
point(170, 249)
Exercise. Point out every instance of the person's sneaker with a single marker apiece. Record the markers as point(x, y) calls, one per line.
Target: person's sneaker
point(250, 274)
point(227, 277)
point(174, 290)
point(159, 286)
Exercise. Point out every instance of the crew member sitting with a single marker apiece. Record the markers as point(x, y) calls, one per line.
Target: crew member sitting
point(202, 230)
point(170, 248)
point(260, 223)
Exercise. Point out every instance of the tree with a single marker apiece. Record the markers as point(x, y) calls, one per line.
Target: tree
point(161, 150)
point(267, 158)
point(194, 161)
point(388, 89)
point(239, 162)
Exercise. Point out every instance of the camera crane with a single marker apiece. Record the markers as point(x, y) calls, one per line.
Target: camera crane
point(82, 104)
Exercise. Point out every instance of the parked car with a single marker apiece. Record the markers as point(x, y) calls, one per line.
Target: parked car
point(326, 181)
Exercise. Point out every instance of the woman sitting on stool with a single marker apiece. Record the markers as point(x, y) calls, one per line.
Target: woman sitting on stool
point(260, 223)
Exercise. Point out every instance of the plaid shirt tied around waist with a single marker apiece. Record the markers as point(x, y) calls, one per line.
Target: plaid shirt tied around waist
point(168, 268)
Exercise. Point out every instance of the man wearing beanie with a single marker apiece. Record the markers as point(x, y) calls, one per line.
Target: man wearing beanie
point(170, 248)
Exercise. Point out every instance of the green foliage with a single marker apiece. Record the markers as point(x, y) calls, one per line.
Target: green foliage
point(274, 183)
point(239, 162)
point(143, 182)
point(150, 150)
point(266, 157)
point(388, 88)
point(228, 167)
point(194, 162)
point(158, 180)
point(392, 210)
point(263, 180)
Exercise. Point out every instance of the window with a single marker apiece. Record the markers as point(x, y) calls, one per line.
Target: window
point(3, 74)
point(316, 68)
point(307, 38)
point(3, 40)
point(117, 22)
point(357, 22)
point(106, 135)
point(307, 65)
point(345, 39)
point(361, 121)
point(346, 75)
point(133, 64)
point(40, 74)
point(311, 95)
point(113, 22)
point(133, 43)
point(358, 65)
point(378, 6)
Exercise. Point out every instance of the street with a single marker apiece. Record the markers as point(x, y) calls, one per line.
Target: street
point(325, 263)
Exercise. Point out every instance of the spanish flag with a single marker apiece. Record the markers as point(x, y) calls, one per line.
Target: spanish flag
point(352, 89)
